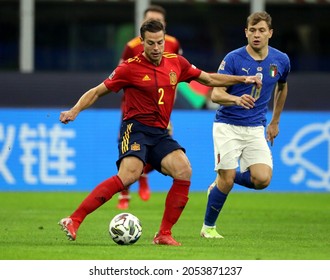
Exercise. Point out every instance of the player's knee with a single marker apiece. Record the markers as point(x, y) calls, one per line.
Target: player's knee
point(128, 178)
point(186, 172)
point(183, 173)
point(128, 181)
point(225, 183)
point(261, 182)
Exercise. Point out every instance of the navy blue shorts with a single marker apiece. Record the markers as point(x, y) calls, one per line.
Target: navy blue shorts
point(150, 144)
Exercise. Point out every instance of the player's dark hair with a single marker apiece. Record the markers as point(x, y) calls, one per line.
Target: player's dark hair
point(256, 17)
point(151, 25)
point(155, 8)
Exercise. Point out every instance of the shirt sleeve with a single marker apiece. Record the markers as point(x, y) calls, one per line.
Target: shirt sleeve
point(287, 69)
point(189, 71)
point(227, 65)
point(118, 79)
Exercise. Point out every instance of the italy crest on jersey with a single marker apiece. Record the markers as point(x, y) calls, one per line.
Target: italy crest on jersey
point(273, 70)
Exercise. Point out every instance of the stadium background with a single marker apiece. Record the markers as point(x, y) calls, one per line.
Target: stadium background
point(78, 43)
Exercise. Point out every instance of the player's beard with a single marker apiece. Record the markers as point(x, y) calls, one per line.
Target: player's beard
point(154, 57)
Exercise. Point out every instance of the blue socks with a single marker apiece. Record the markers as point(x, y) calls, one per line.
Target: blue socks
point(217, 198)
point(244, 179)
point(215, 202)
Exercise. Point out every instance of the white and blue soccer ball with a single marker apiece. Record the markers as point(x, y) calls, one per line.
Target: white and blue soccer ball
point(125, 229)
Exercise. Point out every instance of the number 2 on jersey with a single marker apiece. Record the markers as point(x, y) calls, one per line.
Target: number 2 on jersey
point(160, 100)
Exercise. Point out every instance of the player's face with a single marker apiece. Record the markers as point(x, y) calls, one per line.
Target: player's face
point(258, 35)
point(155, 16)
point(153, 45)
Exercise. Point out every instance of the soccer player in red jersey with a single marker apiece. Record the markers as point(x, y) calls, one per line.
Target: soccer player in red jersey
point(133, 48)
point(149, 81)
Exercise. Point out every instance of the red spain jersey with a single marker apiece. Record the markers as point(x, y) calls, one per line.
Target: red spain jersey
point(134, 47)
point(149, 90)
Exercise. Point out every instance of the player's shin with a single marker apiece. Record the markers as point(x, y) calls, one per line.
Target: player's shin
point(216, 200)
point(176, 201)
point(101, 194)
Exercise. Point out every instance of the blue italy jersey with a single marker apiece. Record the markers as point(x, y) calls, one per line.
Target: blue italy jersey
point(273, 69)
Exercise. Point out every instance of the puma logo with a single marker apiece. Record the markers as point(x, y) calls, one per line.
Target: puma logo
point(246, 70)
point(215, 209)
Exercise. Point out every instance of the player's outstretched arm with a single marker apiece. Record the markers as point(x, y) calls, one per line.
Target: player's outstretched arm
point(85, 101)
point(220, 96)
point(223, 80)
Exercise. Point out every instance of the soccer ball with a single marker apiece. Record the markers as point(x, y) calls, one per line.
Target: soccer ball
point(125, 229)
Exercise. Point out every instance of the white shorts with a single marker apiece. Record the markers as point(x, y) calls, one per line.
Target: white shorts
point(240, 146)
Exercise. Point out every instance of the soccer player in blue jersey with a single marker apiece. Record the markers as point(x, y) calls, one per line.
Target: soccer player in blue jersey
point(239, 126)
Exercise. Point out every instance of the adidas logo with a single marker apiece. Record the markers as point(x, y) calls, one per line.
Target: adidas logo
point(146, 78)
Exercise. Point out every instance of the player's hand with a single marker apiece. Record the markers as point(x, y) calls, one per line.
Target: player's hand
point(246, 101)
point(272, 132)
point(253, 80)
point(67, 116)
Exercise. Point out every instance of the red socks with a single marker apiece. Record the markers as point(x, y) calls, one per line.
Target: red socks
point(176, 200)
point(148, 168)
point(101, 194)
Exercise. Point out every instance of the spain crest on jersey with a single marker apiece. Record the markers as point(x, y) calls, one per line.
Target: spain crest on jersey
point(173, 78)
point(135, 147)
point(273, 70)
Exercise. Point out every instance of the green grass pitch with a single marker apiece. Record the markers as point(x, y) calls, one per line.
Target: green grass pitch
point(256, 226)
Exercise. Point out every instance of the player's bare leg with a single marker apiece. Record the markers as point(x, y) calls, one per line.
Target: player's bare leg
point(144, 189)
